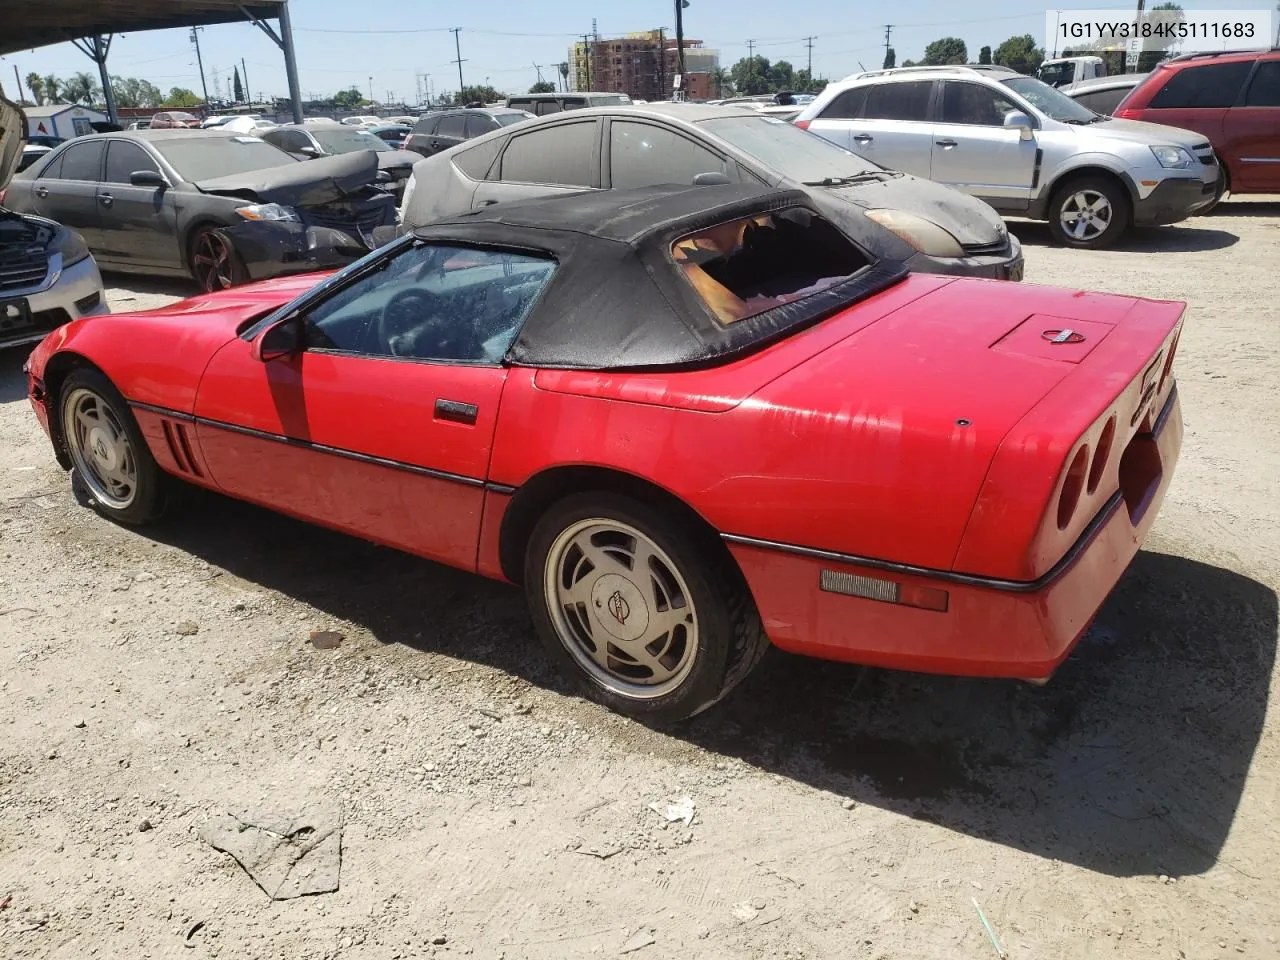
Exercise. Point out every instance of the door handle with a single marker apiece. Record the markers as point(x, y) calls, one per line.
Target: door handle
point(487, 203)
point(455, 411)
point(105, 198)
point(946, 143)
point(42, 192)
point(863, 137)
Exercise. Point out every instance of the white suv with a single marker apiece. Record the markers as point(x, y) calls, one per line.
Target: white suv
point(1020, 145)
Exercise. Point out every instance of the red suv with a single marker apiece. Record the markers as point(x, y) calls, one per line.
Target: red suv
point(1231, 98)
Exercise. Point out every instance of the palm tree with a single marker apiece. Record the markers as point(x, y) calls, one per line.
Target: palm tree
point(721, 80)
point(564, 74)
point(80, 89)
point(52, 89)
point(35, 83)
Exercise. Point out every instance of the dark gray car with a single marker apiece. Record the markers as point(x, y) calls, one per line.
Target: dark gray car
point(437, 132)
point(220, 207)
point(931, 228)
point(307, 141)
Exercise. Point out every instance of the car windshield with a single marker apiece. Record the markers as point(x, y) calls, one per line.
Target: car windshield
point(349, 140)
point(1058, 74)
point(792, 152)
point(507, 119)
point(1052, 102)
point(205, 158)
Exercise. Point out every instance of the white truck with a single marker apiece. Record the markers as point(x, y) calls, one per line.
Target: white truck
point(1062, 71)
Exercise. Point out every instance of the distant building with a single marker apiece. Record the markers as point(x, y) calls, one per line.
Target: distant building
point(643, 66)
point(64, 120)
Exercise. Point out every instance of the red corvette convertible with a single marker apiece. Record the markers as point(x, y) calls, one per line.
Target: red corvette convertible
point(690, 422)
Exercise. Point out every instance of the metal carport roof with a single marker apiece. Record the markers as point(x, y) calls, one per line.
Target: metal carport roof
point(91, 24)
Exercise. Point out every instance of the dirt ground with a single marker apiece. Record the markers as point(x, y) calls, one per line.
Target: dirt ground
point(151, 681)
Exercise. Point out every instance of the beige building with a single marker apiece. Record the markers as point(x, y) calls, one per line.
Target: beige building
point(643, 66)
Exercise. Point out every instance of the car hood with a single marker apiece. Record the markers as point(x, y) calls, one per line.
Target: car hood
point(971, 221)
point(395, 160)
point(1148, 134)
point(322, 180)
point(13, 136)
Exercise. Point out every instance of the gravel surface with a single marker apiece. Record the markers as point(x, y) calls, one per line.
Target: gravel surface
point(151, 682)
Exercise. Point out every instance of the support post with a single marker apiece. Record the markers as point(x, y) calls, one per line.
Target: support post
point(290, 62)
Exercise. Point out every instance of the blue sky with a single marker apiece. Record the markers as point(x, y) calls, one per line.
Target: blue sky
point(342, 43)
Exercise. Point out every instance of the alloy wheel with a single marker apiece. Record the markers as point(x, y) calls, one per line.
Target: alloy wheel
point(1086, 215)
point(100, 448)
point(621, 608)
point(211, 262)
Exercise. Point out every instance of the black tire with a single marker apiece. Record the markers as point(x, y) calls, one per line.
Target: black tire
point(213, 261)
point(90, 484)
point(729, 639)
point(1219, 192)
point(1117, 203)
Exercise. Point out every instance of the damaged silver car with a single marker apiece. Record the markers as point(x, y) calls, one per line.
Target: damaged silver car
point(222, 208)
point(47, 276)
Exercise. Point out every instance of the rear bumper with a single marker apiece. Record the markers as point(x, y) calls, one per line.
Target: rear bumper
point(990, 628)
point(1173, 201)
point(278, 248)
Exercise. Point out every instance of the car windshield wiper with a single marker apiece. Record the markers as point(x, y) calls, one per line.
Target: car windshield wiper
point(842, 181)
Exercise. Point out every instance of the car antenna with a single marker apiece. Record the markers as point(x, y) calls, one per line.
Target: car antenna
point(864, 69)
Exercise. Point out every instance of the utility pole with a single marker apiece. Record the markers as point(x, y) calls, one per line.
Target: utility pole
point(808, 42)
point(680, 5)
point(18, 81)
point(662, 60)
point(1137, 29)
point(751, 49)
point(457, 46)
point(244, 75)
point(195, 38)
point(887, 30)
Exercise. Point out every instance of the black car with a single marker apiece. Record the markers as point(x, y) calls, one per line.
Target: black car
point(306, 141)
point(440, 131)
point(223, 208)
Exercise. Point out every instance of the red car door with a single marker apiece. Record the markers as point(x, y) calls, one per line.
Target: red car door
point(380, 423)
point(1253, 130)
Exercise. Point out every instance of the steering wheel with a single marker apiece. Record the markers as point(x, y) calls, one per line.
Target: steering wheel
point(405, 321)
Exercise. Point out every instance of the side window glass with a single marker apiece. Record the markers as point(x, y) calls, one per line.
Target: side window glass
point(898, 101)
point(574, 103)
point(479, 124)
point(642, 155)
point(1264, 88)
point(433, 302)
point(475, 163)
point(545, 107)
point(849, 105)
point(453, 125)
point(972, 104)
point(83, 161)
point(53, 169)
point(123, 158)
point(425, 126)
point(561, 154)
point(1210, 85)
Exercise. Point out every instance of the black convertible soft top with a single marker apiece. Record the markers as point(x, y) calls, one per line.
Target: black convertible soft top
point(619, 300)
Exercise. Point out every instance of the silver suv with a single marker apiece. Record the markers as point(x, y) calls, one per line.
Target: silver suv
point(1022, 146)
point(47, 276)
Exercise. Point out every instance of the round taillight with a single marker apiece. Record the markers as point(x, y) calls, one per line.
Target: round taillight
point(1072, 487)
point(1101, 455)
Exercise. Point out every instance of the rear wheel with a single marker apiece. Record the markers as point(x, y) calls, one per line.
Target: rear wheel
point(650, 621)
point(112, 468)
point(215, 265)
point(1089, 212)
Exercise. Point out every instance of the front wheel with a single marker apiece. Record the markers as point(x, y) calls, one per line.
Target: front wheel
point(112, 468)
point(1090, 213)
point(215, 265)
point(650, 621)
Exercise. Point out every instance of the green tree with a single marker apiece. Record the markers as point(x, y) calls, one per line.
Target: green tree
point(984, 55)
point(80, 88)
point(721, 82)
point(52, 89)
point(910, 63)
point(543, 86)
point(1020, 54)
point(35, 83)
point(890, 58)
point(751, 76)
point(479, 94)
point(348, 99)
point(782, 76)
point(182, 97)
point(945, 51)
point(236, 86)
